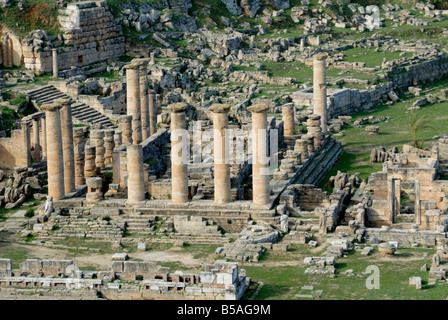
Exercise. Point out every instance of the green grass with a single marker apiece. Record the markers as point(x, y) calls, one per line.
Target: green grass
point(283, 282)
point(38, 14)
point(358, 143)
point(371, 57)
point(16, 255)
point(8, 119)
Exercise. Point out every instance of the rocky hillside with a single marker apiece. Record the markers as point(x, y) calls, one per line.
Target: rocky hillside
point(147, 16)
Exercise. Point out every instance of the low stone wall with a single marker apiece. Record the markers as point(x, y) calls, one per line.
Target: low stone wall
point(62, 279)
point(407, 238)
point(347, 101)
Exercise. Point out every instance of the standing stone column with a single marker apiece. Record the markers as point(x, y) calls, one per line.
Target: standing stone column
point(78, 147)
point(320, 89)
point(125, 125)
point(144, 99)
point(44, 137)
point(391, 200)
point(301, 146)
point(309, 143)
point(109, 145)
point(136, 184)
point(90, 166)
point(133, 100)
point(417, 206)
point(117, 139)
point(288, 119)
point(398, 196)
point(221, 153)
point(36, 142)
point(152, 112)
point(123, 169)
point(260, 162)
point(314, 129)
point(23, 157)
point(55, 63)
point(97, 140)
point(67, 144)
point(55, 163)
point(116, 167)
point(179, 165)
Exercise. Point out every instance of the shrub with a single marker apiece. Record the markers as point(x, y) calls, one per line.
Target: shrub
point(29, 213)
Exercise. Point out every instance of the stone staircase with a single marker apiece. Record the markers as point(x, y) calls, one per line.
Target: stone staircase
point(87, 228)
point(80, 111)
point(139, 225)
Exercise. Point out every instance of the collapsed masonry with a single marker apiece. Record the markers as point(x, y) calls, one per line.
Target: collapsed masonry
point(123, 280)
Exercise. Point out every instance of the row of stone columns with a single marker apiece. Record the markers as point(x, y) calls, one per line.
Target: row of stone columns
point(141, 104)
point(260, 166)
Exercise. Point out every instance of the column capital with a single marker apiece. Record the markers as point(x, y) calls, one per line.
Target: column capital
point(178, 107)
point(141, 62)
point(258, 108)
point(62, 101)
point(132, 66)
point(51, 106)
point(219, 108)
point(320, 56)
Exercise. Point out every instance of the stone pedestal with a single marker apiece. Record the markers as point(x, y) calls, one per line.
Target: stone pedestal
point(125, 126)
point(94, 189)
point(79, 155)
point(133, 100)
point(260, 160)
point(179, 151)
point(55, 163)
point(136, 186)
point(320, 89)
point(221, 153)
point(288, 119)
point(67, 145)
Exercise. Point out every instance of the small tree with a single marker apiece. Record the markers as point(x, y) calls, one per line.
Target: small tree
point(416, 125)
point(29, 213)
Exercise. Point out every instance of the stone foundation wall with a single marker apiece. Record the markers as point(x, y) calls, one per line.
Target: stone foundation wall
point(15, 151)
point(90, 35)
point(406, 238)
point(62, 279)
